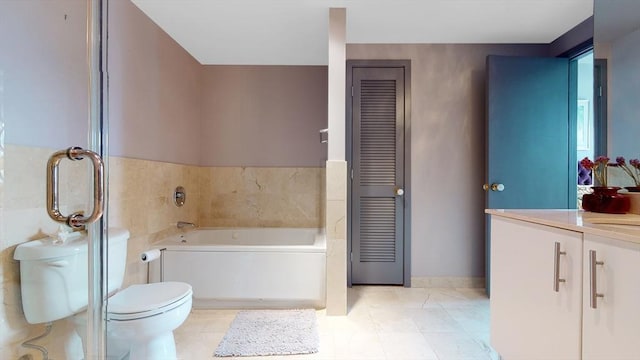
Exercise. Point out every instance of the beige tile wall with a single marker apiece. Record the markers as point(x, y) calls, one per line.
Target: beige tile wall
point(140, 200)
point(336, 220)
point(260, 197)
point(24, 218)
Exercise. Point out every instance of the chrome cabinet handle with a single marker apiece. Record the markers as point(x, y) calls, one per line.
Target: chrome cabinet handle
point(556, 267)
point(593, 262)
point(75, 220)
point(398, 191)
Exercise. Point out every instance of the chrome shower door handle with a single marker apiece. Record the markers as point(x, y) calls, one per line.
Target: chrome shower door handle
point(75, 220)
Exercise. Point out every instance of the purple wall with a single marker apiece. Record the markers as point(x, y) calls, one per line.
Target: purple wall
point(155, 91)
point(155, 85)
point(624, 108)
point(263, 116)
point(165, 106)
point(43, 73)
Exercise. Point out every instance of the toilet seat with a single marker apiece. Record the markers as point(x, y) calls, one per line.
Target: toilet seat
point(145, 300)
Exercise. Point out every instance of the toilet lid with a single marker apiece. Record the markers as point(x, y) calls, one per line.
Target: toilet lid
point(148, 299)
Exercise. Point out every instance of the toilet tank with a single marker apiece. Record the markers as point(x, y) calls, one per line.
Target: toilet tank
point(54, 276)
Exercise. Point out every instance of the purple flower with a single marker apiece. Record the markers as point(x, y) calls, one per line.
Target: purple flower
point(598, 168)
point(633, 169)
point(587, 163)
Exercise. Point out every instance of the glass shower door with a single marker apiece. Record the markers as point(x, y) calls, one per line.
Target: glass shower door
point(50, 102)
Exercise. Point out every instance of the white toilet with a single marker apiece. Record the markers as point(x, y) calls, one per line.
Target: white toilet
point(146, 315)
point(140, 318)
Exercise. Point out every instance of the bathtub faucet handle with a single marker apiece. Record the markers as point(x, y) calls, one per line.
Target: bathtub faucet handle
point(183, 224)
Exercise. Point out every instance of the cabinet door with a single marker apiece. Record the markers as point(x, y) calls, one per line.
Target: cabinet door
point(529, 319)
point(612, 330)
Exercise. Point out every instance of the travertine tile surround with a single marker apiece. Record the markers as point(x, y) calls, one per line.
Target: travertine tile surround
point(140, 200)
point(260, 197)
point(336, 237)
point(24, 218)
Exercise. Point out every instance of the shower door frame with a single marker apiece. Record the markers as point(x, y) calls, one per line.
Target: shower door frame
point(52, 101)
point(96, 341)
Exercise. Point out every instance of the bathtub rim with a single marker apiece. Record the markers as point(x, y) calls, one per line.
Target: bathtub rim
point(173, 242)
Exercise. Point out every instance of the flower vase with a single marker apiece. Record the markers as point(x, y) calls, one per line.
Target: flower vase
point(605, 199)
point(634, 199)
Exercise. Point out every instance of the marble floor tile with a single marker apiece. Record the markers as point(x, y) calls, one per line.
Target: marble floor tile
point(470, 319)
point(411, 297)
point(377, 297)
point(393, 320)
point(456, 346)
point(435, 320)
point(405, 346)
point(194, 345)
point(360, 345)
point(355, 322)
point(455, 298)
point(384, 322)
point(483, 338)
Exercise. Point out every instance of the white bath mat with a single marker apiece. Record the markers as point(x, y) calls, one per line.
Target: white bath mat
point(271, 332)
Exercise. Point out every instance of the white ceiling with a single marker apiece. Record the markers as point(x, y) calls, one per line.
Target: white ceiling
point(295, 32)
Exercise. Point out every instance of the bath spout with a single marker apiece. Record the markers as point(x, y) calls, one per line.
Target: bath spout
point(184, 224)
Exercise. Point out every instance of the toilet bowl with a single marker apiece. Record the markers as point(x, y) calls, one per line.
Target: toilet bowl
point(141, 320)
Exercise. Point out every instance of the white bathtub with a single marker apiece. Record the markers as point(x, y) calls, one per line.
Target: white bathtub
point(247, 268)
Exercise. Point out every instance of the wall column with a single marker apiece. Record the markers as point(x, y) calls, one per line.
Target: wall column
point(336, 207)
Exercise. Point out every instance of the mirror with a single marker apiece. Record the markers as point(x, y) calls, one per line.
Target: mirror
point(617, 39)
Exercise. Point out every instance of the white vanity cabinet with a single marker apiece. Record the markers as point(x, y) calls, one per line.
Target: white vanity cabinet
point(595, 312)
point(536, 290)
point(611, 330)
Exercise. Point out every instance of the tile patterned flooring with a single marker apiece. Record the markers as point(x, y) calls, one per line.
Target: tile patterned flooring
point(385, 323)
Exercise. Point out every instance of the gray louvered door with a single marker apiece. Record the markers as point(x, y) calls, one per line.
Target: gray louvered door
point(378, 168)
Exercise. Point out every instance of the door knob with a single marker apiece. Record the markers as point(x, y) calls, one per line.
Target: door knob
point(493, 187)
point(399, 191)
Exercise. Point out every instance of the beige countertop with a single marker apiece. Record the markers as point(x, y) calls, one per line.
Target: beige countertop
point(622, 227)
